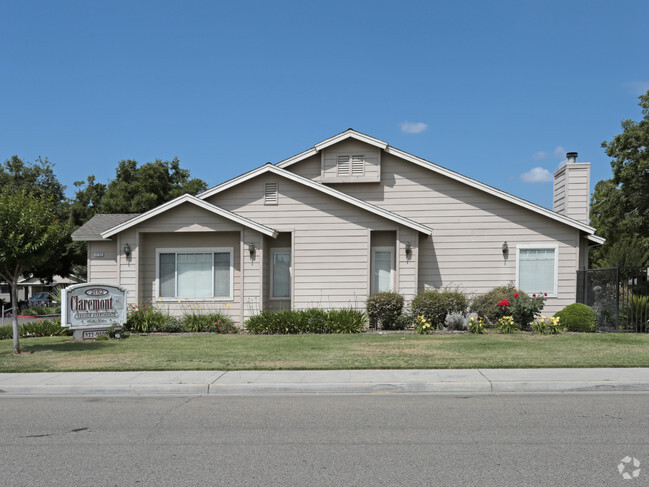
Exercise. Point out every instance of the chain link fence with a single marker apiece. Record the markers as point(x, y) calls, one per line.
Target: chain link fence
point(619, 296)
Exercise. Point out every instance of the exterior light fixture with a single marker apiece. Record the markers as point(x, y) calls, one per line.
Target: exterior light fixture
point(127, 250)
point(252, 249)
point(505, 248)
point(408, 249)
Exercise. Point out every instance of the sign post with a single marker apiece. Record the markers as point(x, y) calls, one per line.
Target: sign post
point(90, 309)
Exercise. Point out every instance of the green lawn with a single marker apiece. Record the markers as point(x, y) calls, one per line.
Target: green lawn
point(364, 351)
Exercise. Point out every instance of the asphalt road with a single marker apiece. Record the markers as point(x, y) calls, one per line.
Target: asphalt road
point(311, 440)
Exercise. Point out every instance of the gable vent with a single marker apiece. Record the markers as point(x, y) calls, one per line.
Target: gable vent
point(358, 165)
point(343, 166)
point(271, 193)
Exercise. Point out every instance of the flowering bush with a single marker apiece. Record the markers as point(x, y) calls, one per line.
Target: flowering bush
point(506, 324)
point(525, 309)
point(476, 325)
point(547, 326)
point(423, 326)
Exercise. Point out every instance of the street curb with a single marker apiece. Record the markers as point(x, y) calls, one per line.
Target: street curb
point(80, 390)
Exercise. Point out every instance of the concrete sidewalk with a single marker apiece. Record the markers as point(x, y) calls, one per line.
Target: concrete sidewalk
point(327, 381)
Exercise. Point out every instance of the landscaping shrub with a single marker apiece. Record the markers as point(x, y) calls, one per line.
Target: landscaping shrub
point(45, 328)
point(525, 309)
point(307, 321)
point(635, 315)
point(454, 321)
point(384, 309)
point(423, 326)
point(435, 305)
point(476, 325)
point(117, 331)
point(40, 310)
point(208, 322)
point(144, 319)
point(578, 317)
point(404, 321)
point(486, 305)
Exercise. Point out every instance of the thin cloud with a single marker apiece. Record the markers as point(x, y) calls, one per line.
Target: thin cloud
point(413, 127)
point(636, 88)
point(540, 155)
point(559, 152)
point(537, 175)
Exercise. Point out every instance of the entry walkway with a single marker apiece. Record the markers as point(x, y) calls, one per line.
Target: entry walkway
point(327, 381)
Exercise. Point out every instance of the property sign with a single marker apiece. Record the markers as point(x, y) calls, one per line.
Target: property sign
point(93, 306)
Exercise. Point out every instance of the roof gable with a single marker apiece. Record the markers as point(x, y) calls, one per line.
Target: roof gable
point(350, 133)
point(321, 188)
point(187, 198)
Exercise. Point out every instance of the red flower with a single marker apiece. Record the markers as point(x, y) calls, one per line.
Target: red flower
point(545, 294)
point(533, 295)
point(515, 295)
point(504, 302)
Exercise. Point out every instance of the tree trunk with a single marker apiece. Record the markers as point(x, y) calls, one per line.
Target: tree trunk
point(14, 315)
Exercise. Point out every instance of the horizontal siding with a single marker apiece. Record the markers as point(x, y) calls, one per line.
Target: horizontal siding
point(330, 256)
point(188, 218)
point(469, 227)
point(102, 269)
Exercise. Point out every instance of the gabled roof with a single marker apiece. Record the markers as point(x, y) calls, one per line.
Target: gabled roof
point(187, 198)
point(318, 187)
point(93, 228)
point(350, 133)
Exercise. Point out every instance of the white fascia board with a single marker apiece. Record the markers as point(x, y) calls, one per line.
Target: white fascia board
point(323, 189)
point(596, 239)
point(491, 190)
point(88, 239)
point(347, 134)
point(187, 198)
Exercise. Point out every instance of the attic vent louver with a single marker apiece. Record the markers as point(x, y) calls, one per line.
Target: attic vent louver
point(271, 193)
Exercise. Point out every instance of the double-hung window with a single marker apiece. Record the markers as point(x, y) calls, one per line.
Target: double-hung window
point(195, 273)
point(537, 268)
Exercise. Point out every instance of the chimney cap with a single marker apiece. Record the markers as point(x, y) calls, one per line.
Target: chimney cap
point(572, 156)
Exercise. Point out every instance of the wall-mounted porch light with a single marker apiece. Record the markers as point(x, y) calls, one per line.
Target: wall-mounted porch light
point(505, 248)
point(408, 249)
point(127, 250)
point(252, 249)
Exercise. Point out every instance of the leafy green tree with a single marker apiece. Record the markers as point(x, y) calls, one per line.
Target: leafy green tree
point(139, 189)
point(87, 200)
point(30, 235)
point(39, 179)
point(620, 205)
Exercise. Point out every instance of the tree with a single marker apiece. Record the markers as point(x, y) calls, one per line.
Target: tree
point(30, 234)
point(139, 189)
point(620, 205)
point(39, 179)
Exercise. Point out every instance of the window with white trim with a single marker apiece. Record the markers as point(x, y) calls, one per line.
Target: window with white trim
point(280, 271)
point(382, 269)
point(351, 165)
point(537, 268)
point(195, 273)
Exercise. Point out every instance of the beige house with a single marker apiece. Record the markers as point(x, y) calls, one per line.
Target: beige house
point(333, 224)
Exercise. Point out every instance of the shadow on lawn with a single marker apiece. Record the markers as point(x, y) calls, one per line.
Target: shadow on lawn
point(68, 346)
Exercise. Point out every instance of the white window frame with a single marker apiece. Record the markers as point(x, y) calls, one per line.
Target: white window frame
point(554, 247)
point(290, 272)
point(193, 250)
point(374, 250)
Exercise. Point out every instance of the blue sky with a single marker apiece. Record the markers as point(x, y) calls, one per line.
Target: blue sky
point(492, 90)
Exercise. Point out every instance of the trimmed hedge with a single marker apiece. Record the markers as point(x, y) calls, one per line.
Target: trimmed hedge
point(434, 306)
point(312, 320)
point(385, 309)
point(578, 317)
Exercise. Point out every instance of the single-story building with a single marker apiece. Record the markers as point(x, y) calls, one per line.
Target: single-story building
point(29, 286)
point(329, 226)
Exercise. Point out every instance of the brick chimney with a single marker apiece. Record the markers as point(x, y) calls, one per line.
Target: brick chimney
point(572, 189)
